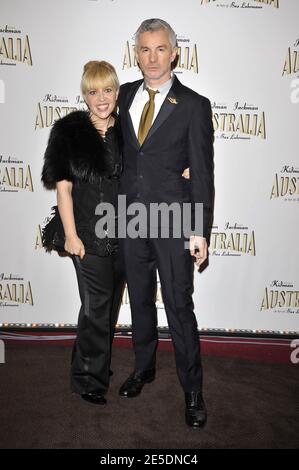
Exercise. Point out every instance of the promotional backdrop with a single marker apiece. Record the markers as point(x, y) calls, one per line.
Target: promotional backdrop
point(242, 55)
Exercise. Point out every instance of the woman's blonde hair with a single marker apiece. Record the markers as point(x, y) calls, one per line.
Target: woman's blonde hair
point(98, 74)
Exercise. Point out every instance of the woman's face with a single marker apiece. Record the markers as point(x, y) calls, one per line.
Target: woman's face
point(101, 101)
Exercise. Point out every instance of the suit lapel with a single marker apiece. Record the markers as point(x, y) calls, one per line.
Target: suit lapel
point(169, 105)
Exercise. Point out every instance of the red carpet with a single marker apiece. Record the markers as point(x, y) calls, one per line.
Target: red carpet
point(272, 350)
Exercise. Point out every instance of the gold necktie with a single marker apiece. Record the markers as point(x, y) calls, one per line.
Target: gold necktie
point(147, 116)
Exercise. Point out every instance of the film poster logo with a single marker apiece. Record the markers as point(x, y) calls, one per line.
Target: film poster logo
point(240, 121)
point(53, 107)
point(281, 297)
point(14, 291)
point(232, 240)
point(187, 58)
point(14, 46)
point(286, 184)
point(291, 62)
point(255, 4)
point(14, 175)
point(38, 238)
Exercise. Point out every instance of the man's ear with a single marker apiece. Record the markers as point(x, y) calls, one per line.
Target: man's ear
point(135, 53)
point(136, 56)
point(174, 54)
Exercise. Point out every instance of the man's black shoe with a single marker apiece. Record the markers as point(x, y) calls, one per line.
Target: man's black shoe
point(134, 384)
point(94, 398)
point(196, 411)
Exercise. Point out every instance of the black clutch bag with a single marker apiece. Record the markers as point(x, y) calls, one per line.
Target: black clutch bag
point(53, 237)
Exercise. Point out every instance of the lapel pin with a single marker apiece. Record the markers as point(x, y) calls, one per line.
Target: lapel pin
point(172, 100)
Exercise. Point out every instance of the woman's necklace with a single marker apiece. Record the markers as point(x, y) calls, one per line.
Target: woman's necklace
point(102, 130)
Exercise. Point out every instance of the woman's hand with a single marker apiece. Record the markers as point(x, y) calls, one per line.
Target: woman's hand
point(186, 173)
point(74, 246)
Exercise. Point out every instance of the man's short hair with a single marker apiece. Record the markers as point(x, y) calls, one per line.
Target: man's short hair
point(154, 24)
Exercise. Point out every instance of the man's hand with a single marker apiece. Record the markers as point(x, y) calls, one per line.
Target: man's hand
point(198, 248)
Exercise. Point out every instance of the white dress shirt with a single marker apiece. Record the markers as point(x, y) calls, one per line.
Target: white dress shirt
point(142, 97)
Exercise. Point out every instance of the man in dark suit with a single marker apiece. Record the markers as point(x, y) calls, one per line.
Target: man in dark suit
point(166, 128)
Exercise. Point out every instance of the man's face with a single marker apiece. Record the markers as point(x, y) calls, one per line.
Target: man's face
point(155, 54)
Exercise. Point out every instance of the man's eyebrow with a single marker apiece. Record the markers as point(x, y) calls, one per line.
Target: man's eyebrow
point(147, 47)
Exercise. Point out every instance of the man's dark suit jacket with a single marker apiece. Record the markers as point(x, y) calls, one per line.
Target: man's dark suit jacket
point(181, 136)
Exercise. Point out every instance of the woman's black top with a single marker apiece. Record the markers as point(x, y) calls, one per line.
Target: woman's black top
point(76, 152)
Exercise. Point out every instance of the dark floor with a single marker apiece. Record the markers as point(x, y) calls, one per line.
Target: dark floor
point(250, 404)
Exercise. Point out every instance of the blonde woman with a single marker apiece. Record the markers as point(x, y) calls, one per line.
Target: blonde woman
point(82, 162)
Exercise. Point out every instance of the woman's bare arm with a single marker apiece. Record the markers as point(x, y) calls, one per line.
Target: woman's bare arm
point(73, 244)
